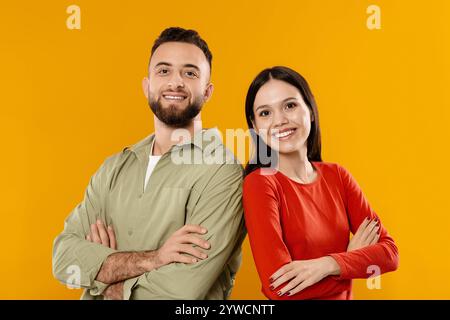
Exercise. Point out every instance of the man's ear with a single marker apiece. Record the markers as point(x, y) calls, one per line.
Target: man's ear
point(208, 92)
point(145, 82)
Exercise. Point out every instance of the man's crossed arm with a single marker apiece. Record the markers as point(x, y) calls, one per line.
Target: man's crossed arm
point(121, 266)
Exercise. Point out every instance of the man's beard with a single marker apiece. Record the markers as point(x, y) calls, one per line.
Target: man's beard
point(171, 115)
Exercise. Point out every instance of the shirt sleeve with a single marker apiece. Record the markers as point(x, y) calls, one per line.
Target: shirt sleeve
point(219, 210)
point(262, 218)
point(77, 261)
point(383, 256)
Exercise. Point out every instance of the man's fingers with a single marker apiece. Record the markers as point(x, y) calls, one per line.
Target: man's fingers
point(103, 234)
point(186, 248)
point(184, 259)
point(189, 238)
point(94, 234)
point(112, 238)
point(192, 228)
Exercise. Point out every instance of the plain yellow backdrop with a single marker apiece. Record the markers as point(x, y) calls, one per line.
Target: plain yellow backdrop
point(70, 98)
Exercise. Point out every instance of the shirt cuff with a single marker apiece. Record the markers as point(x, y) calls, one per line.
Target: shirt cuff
point(342, 265)
point(99, 288)
point(91, 257)
point(128, 286)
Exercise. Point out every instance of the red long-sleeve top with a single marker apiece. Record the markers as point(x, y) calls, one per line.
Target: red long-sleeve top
point(288, 221)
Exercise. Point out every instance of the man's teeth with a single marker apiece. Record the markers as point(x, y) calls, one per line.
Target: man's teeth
point(283, 134)
point(174, 97)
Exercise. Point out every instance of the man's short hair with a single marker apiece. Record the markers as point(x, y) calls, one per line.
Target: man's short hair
point(176, 34)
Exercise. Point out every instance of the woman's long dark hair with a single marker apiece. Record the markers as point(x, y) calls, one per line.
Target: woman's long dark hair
point(293, 78)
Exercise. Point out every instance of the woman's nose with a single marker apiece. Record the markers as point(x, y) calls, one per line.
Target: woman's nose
point(279, 119)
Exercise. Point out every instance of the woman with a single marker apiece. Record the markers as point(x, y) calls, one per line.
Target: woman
point(299, 216)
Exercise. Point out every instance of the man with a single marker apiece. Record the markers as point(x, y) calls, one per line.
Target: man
point(153, 225)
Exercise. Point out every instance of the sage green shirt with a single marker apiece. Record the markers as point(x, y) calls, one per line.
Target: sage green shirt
point(198, 182)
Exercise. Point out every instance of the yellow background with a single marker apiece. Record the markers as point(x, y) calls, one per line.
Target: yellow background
point(70, 98)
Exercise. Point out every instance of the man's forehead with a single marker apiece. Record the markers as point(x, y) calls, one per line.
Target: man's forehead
point(179, 54)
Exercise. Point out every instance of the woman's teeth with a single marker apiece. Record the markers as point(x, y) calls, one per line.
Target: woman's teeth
point(283, 134)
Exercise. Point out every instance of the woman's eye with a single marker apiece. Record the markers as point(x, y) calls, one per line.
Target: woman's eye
point(264, 113)
point(290, 105)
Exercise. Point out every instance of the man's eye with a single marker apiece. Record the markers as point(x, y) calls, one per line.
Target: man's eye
point(163, 71)
point(191, 74)
point(264, 113)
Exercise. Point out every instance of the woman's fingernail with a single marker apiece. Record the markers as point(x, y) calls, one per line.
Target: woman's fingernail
point(288, 294)
point(271, 288)
point(279, 293)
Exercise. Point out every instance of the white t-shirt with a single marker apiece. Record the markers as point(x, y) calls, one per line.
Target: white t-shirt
point(152, 161)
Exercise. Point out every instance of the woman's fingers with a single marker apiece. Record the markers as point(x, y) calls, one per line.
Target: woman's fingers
point(368, 230)
point(301, 286)
point(362, 226)
point(284, 278)
point(372, 235)
point(112, 238)
point(376, 238)
point(286, 268)
point(291, 285)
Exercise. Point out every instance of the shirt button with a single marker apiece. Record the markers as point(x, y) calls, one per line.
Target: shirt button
point(140, 196)
point(130, 232)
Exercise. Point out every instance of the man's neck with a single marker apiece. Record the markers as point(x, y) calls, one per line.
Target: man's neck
point(167, 136)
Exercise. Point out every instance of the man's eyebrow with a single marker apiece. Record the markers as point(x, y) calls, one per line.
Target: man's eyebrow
point(266, 105)
point(189, 65)
point(162, 63)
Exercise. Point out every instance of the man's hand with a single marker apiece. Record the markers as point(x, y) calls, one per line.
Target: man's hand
point(120, 266)
point(106, 236)
point(367, 234)
point(181, 241)
point(102, 235)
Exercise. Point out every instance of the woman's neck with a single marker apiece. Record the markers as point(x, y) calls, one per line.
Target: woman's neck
point(296, 166)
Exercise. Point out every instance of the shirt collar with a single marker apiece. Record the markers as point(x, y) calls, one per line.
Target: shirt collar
point(201, 139)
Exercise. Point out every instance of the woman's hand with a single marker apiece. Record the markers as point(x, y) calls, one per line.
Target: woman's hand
point(366, 235)
point(302, 274)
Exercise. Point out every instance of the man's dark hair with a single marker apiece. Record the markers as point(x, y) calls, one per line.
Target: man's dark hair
point(176, 34)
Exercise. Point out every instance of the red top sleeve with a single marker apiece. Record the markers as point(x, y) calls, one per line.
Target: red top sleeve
point(384, 254)
point(262, 218)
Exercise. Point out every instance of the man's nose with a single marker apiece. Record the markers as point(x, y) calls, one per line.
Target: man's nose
point(176, 81)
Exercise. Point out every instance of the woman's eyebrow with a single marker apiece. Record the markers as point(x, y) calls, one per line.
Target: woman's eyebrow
point(266, 105)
